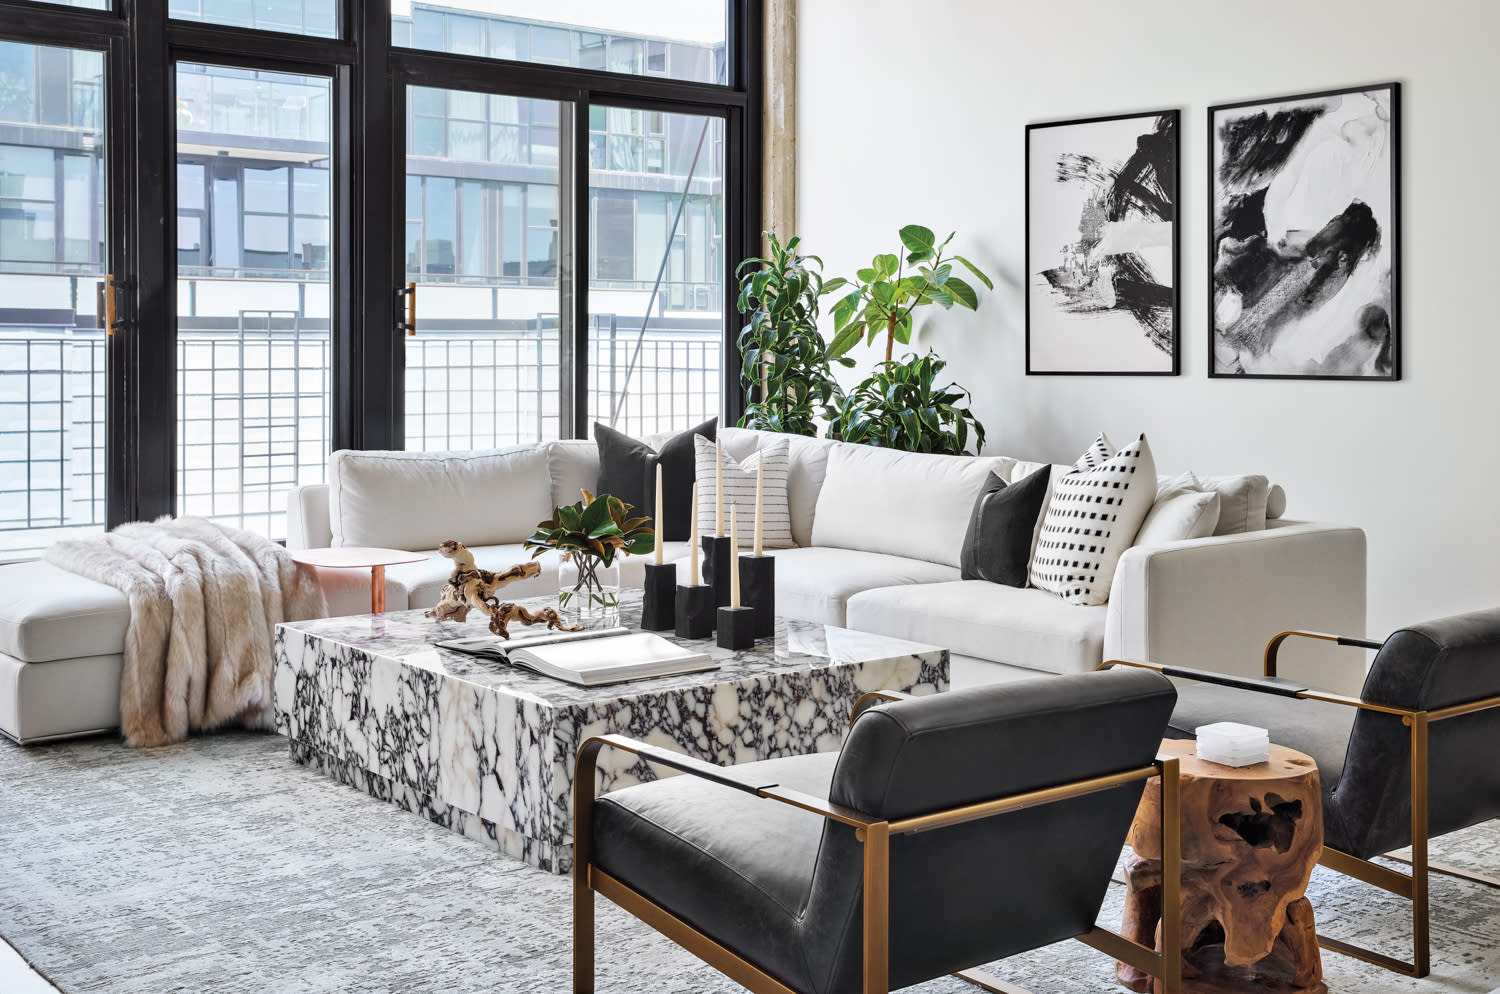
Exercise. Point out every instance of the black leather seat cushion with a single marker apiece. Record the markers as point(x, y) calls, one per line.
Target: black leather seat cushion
point(739, 868)
point(1319, 730)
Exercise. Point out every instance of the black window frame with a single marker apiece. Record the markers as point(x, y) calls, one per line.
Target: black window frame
point(142, 44)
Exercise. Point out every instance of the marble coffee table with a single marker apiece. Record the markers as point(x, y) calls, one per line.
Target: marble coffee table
point(487, 750)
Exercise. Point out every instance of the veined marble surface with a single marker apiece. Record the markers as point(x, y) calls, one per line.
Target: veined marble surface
point(488, 750)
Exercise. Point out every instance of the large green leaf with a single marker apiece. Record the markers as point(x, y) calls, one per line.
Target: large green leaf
point(978, 273)
point(866, 275)
point(595, 516)
point(886, 265)
point(846, 339)
point(837, 283)
point(918, 239)
point(961, 292)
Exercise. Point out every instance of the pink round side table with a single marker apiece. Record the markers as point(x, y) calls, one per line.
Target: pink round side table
point(360, 557)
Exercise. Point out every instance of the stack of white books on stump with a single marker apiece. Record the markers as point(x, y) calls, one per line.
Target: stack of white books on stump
point(1229, 743)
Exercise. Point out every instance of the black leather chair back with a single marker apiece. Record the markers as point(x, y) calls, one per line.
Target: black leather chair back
point(973, 893)
point(1428, 666)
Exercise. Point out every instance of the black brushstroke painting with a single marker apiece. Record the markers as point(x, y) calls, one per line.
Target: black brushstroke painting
point(1128, 204)
point(1305, 196)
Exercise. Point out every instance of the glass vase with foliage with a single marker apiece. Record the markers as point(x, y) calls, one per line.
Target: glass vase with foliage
point(906, 403)
point(591, 534)
point(784, 361)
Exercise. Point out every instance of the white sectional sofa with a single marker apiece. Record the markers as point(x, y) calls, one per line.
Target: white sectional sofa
point(878, 536)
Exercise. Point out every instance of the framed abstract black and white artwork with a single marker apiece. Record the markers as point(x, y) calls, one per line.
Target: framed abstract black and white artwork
point(1303, 236)
point(1102, 245)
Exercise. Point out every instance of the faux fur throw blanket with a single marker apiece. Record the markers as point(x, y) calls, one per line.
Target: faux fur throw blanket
point(205, 600)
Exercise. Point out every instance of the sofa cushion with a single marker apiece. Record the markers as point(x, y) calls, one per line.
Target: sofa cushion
point(61, 698)
point(1002, 530)
point(1183, 510)
point(48, 613)
point(806, 470)
point(419, 500)
point(573, 464)
point(736, 867)
point(767, 468)
point(1012, 625)
point(627, 470)
point(911, 504)
point(1242, 502)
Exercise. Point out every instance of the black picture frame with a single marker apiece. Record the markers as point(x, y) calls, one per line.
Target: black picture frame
point(1390, 233)
point(1172, 183)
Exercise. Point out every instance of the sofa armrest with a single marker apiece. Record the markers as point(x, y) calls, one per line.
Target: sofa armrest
point(307, 523)
point(1212, 603)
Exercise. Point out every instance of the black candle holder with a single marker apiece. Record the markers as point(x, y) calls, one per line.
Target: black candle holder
point(717, 550)
point(736, 627)
point(659, 601)
point(695, 612)
point(758, 591)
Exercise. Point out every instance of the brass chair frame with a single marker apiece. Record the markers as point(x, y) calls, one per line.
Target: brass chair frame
point(1412, 886)
point(874, 833)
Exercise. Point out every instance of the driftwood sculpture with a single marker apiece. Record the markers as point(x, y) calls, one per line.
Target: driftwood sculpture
point(473, 588)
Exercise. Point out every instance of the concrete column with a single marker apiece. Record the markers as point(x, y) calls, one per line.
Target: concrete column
point(779, 198)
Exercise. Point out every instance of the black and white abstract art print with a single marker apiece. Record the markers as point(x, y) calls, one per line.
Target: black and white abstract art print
point(1102, 246)
point(1303, 246)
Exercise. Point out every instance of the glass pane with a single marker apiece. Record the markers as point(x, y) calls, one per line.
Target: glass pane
point(253, 291)
point(677, 39)
point(481, 240)
point(656, 289)
point(318, 18)
point(89, 4)
point(53, 233)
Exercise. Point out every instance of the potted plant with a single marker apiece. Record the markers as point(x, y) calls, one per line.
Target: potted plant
point(901, 404)
point(783, 358)
point(591, 535)
point(904, 405)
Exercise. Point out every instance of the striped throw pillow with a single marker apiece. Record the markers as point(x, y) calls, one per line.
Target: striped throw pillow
point(739, 492)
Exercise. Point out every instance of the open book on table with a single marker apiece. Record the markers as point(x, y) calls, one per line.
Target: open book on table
point(607, 655)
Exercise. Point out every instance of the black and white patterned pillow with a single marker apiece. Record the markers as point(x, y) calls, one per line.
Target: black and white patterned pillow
point(739, 492)
point(1092, 519)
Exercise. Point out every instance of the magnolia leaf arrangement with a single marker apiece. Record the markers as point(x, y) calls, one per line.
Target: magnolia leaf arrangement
point(590, 534)
point(893, 286)
point(784, 360)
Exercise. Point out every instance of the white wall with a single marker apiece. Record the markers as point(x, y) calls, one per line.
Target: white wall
point(915, 113)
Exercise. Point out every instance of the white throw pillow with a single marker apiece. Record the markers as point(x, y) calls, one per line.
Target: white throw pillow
point(1183, 510)
point(807, 467)
point(1242, 502)
point(739, 492)
point(911, 504)
point(418, 500)
point(1091, 520)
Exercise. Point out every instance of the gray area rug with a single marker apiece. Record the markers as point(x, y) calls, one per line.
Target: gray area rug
point(221, 866)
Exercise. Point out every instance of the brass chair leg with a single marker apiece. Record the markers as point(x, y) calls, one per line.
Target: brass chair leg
point(991, 983)
point(877, 903)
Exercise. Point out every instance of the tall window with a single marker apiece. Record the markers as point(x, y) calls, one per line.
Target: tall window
point(253, 207)
point(52, 256)
point(566, 187)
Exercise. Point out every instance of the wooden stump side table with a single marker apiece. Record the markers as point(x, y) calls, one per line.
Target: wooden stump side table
point(360, 557)
point(1250, 839)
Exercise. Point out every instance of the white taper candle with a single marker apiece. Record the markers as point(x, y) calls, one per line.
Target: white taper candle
point(656, 522)
point(718, 490)
point(734, 562)
point(760, 479)
point(693, 575)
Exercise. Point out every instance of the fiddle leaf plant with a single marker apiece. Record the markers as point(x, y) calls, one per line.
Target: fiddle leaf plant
point(892, 287)
point(908, 405)
point(783, 358)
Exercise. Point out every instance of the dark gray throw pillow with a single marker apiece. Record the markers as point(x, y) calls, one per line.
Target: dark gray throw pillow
point(627, 470)
point(997, 546)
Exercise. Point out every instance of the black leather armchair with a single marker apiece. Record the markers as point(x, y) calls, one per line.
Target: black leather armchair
point(950, 831)
point(1412, 757)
